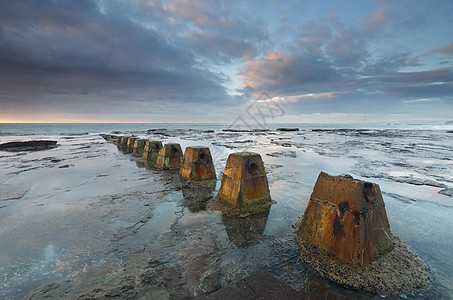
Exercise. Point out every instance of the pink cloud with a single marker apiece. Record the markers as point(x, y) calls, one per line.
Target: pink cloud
point(447, 50)
point(265, 72)
point(377, 20)
point(197, 11)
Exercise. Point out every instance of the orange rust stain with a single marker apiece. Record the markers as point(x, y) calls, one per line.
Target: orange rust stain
point(347, 218)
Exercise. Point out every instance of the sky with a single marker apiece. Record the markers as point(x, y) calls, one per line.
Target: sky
point(205, 61)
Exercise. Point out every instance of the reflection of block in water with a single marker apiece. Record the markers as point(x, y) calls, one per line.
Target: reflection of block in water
point(170, 156)
point(347, 218)
point(151, 150)
point(197, 164)
point(140, 164)
point(197, 193)
point(244, 189)
point(246, 232)
point(139, 146)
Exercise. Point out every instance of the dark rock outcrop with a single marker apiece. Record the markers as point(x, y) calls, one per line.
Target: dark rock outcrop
point(287, 129)
point(28, 146)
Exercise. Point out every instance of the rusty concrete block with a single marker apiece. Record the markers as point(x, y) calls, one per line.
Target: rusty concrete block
point(244, 189)
point(139, 146)
point(119, 140)
point(130, 142)
point(170, 157)
point(197, 164)
point(151, 150)
point(347, 218)
point(109, 137)
point(122, 144)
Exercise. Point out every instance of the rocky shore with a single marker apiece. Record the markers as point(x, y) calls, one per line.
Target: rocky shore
point(102, 224)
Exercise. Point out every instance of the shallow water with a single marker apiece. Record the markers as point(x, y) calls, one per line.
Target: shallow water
point(86, 215)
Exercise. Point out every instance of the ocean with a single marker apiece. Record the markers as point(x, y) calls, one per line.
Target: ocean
point(86, 217)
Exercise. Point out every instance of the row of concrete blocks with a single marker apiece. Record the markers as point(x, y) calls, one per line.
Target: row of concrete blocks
point(345, 216)
point(345, 222)
point(244, 188)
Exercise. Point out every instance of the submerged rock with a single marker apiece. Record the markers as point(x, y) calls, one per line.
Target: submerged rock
point(244, 189)
point(28, 146)
point(346, 237)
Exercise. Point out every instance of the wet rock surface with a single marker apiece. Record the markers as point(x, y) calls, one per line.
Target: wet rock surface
point(398, 271)
point(258, 286)
point(111, 225)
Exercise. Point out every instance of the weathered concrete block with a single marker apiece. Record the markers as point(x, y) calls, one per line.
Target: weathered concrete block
point(347, 218)
point(244, 189)
point(151, 150)
point(130, 141)
point(170, 156)
point(139, 146)
point(122, 144)
point(244, 180)
point(197, 164)
point(124, 141)
point(119, 140)
point(109, 137)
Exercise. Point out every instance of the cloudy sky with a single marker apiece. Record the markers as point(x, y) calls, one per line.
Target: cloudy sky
point(208, 61)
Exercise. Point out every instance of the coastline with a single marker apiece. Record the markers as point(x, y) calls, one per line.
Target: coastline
point(104, 212)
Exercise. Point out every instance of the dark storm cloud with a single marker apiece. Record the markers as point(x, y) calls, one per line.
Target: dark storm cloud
point(98, 48)
point(214, 32)
point(145, 56)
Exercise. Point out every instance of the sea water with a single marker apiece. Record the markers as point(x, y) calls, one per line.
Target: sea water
point(85, 212)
